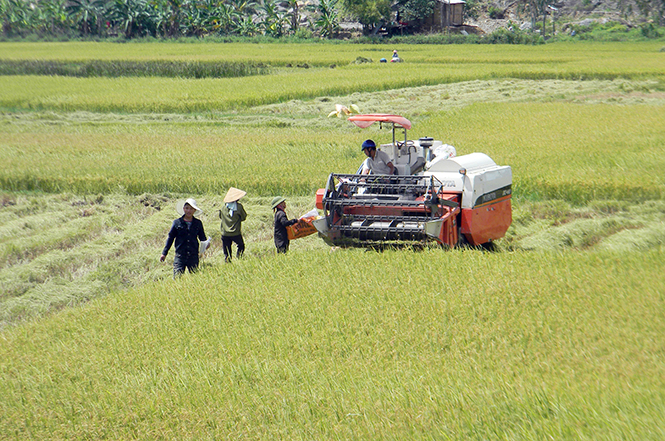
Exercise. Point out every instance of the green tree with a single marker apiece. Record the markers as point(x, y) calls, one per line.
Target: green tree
point(471, 9)
point(196, 17)
point(535, 9)
point(416, 10)
point(15, 15)
point(225, 18)
point(370, 13)
point(246, 8)
point(162, 16)
point(168, 17)
point(246, 27)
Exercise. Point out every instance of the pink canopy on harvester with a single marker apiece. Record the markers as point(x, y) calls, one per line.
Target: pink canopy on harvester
point(364, 121)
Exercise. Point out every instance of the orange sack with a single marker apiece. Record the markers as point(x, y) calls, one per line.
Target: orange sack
point(303, 228)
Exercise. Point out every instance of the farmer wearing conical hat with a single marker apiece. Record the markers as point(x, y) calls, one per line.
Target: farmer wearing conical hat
point(281, 222)
point(232, 216)
point(186, 231)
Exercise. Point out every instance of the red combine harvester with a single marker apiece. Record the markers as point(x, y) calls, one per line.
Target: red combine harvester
point(435, 195)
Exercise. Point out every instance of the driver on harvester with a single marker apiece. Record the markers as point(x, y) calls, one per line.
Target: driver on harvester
point(378, 162)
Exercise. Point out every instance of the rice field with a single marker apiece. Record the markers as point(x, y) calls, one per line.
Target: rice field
point(626, 56)
point(332, 73)
point(429, 345)
point(555, 335)
point(543, 142)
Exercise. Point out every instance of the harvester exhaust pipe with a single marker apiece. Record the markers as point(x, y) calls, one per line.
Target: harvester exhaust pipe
point(426, 143)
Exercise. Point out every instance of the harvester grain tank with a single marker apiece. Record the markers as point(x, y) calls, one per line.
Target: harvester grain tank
point(435, 195)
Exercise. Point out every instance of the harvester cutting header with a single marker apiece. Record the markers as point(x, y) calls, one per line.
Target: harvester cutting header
point(433, 195)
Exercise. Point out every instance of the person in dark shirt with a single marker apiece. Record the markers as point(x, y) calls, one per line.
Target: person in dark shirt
point(186, 231)
point(281, 222)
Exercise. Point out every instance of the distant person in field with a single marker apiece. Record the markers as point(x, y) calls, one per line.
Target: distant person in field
point(186, 231)
point(281, 222)
point(377, 162)
point(395, 58)
point(232, 216)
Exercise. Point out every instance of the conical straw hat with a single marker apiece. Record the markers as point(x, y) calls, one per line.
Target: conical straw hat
point(233, 195)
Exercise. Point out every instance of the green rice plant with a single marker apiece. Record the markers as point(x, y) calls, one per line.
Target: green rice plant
point(187, 160)
point(123, 68)
point(527, 345)
point(188, 95)
point(183, 95)
point(428, 65)
point(601, 225)
point(563, 151)
point(542, 142)
point(582, 54)
point(61, 250)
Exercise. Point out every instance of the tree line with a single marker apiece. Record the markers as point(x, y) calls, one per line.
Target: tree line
point(185, 18)
point(197, 18)
point(244, 18)
point(156, 18)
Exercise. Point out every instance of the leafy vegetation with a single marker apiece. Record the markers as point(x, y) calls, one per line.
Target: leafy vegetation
point(371, 14)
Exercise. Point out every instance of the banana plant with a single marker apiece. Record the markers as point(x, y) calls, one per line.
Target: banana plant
point(327, 21)
point(246, 27)
point(86, 14)
point(14, 14)
point(55, 15)
point(273, 21)
point(224, 18)
point(133, 16)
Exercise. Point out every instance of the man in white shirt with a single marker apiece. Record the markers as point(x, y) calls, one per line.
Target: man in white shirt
point(378, 162)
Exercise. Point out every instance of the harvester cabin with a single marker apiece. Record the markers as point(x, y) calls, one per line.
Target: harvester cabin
point(446, 13)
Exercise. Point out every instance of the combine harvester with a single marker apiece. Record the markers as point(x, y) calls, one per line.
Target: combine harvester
point(453, 200)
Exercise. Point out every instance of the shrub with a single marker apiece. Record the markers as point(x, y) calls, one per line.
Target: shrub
point(506, 36)
point(303, 34)
point(495, 13)
point(649, 30)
